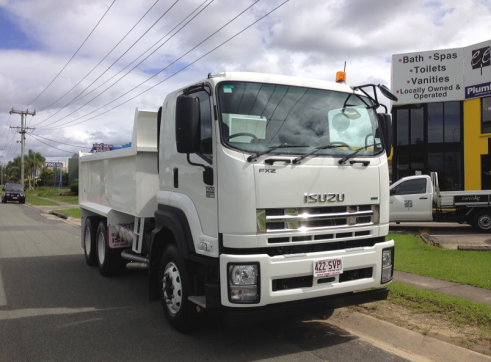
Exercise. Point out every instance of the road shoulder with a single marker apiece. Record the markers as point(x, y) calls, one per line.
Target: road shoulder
point(401, 341)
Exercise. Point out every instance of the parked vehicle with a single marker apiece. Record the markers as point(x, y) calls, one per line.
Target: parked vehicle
point(13, 192)
point(418, 198)
point(248, 195)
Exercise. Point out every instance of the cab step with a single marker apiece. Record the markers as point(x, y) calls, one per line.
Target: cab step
point(198, 300)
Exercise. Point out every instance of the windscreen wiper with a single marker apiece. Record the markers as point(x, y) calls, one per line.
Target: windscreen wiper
point(270, 149)
point(347, 157)
point(330, 145)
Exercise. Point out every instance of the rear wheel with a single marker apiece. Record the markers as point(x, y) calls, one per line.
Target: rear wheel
point(109, 261)
point(174, 289)
point(482, 221)
point(89, 241)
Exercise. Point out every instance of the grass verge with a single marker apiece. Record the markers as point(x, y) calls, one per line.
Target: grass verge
point(412, 255)
point(47, 191)
point(75, 213)
point(458, 321)
point(34, 200)
point(458, 311)
point(70, 199)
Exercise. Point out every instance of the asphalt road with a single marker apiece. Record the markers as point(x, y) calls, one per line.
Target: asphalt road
point(53, 307)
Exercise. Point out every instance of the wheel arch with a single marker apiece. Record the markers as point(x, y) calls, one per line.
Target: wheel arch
point(171, 225)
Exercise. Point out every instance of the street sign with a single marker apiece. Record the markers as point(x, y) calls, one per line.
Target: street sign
point(54, 164)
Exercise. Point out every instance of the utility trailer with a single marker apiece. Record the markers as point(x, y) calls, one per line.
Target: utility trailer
point(418, 198)
point(247, 196)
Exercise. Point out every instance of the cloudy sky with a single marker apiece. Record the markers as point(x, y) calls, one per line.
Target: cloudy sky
point(85, 65)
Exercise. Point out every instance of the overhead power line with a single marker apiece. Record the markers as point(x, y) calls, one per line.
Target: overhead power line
point(123, 68)
point(73, 56)
point(168, 66)
point(61, 143)
point(81, 80)
point(51, 146)
point(6, 128)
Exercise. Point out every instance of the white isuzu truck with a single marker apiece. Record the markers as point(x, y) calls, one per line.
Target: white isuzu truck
point(418, 198)
point(248, 195)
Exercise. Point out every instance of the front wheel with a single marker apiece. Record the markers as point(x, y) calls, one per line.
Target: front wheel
point(174, 289)
point(482, 221)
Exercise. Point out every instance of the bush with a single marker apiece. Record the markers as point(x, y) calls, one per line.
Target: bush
point(74, 186)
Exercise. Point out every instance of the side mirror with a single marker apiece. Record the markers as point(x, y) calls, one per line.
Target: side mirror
point(385, 122)
point(392, 192)
point(387, 93)
point(188, 124)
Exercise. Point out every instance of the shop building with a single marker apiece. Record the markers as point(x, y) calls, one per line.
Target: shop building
point(442, 120)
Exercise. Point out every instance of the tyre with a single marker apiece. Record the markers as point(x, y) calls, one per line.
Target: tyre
point(109, 261)
point(89, 241)
point(4, 201)
point(175, 286)
point(482, 221)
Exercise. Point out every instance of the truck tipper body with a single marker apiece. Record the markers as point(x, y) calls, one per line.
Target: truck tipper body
point(419, 198)
point(247, 195)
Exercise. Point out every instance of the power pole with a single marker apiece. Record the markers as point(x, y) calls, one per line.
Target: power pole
point(22, 139)
point(1, 165)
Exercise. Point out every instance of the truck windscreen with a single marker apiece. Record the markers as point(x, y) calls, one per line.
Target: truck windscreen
point(255, 117)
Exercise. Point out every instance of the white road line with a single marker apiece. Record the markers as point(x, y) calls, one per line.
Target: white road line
point(3, 296)
point(37, 312)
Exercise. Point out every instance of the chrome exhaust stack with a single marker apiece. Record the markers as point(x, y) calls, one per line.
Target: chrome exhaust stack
point(136, 261)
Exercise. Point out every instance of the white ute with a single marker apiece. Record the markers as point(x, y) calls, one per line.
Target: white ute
point(418, 198)
point(247, 195)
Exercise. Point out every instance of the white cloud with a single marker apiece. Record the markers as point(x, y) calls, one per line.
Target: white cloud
point(305, 38)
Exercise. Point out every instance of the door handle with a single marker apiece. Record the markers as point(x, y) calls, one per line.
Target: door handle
point(423, 198)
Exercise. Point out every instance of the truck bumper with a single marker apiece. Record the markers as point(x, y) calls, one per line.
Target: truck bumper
point(288, 279)
point(236, 317)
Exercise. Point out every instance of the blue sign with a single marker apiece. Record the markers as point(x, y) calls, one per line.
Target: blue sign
point(54, 164)
point(478, 90)
point(101, 147)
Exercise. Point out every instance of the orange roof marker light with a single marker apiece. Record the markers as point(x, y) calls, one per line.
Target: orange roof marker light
point(340, 77)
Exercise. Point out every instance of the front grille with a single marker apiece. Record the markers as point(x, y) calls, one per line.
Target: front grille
point(315, 218)
point(324, 237)
point(356, 274)
point(308, 281)
point(292, 283)
point(300, 248)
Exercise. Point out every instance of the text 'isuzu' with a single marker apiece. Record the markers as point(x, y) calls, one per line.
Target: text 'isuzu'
point(249, 196)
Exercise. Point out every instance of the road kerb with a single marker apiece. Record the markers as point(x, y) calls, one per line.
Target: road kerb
point(403, 342)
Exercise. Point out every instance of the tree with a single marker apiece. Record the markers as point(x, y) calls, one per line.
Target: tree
point(47, 175)
point(33, 162)
point(12, 171)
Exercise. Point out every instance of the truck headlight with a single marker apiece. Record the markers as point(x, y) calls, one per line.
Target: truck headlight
point(243, 283)
point(387, 265)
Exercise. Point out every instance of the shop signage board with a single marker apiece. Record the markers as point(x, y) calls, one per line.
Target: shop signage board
point(53, 164)
point(477, 70)
point(430, 76)
point(101, 147)
point(442, 75)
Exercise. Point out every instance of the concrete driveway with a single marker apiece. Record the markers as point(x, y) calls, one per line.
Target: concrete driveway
point(447, 235)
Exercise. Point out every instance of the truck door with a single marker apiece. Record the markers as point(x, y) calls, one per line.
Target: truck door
point(191, 181)
point(411, 200)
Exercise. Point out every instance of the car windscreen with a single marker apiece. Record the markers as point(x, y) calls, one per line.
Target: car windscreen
point(14, 187)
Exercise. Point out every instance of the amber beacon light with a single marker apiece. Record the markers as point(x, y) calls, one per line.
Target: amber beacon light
point(340, 77)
